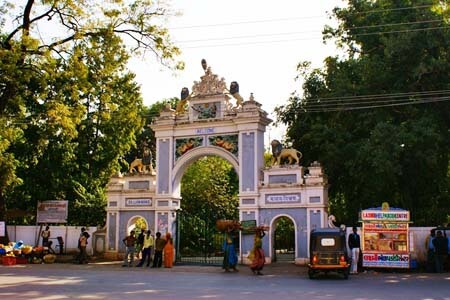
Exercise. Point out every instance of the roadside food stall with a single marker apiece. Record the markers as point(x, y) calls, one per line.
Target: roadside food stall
point(385, 237)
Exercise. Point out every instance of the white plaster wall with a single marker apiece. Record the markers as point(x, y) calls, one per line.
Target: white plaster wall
point(70, 235)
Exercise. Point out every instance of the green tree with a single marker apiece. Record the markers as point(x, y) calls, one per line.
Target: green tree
point(209, 189)
point(378, 118)
point(69, 107)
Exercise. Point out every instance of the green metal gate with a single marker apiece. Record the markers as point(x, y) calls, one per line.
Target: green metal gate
point(199, 241)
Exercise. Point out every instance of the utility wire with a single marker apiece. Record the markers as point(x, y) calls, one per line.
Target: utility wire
point(362, 103)
point(307, 107)
point(298, 18)
point(313, 38)
point(333, 109)
point(378, 96)
point(303, 32)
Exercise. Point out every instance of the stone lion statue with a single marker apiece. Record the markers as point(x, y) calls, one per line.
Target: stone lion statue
point(138, 165)
point(279, 154)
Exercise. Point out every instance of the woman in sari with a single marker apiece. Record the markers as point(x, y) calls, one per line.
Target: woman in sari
point(257, 253)
point(230, 258)
point(168, 251)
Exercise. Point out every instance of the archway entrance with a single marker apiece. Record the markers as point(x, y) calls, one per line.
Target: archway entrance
point(213, 120)
point(209, 189)
point(283, 240)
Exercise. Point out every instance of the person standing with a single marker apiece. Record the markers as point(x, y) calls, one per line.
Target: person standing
point(140, 244)
point(168, 251)
point(130, 249)
point(148, 243)
point(159, 248)
point(83, 254)
point(87, 236)
point(354, 243)
point(230, 258)
point(430, 251)
point(440, 244)
point(45, 236)
point(257, 253)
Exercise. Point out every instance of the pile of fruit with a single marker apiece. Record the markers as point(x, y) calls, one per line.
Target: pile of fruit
point(25, 253)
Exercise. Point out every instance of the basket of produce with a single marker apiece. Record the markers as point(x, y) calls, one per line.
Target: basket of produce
point(49, 258)
point(225, 225)
point(36, 260)
point(38, 249)
point(27, 249)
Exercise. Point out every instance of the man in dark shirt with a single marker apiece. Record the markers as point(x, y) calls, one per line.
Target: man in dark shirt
point(129, 242)
point(440, 244)
point(354, 244)
point(159, 247)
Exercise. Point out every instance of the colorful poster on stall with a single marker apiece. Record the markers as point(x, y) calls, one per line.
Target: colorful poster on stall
point(377, 227)
point(384, 260)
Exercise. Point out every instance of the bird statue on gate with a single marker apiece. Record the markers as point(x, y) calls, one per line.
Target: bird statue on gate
point(181, 105)
point(234, 91)
point(204, 65)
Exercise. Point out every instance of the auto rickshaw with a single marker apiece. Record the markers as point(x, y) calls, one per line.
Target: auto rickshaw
point(328, 252)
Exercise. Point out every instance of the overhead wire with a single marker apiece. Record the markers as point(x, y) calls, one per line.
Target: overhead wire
point(305, 109)
point(303, 32)
point(297, 18)
point(277, 41)
point(372, 101)
point(341, 103)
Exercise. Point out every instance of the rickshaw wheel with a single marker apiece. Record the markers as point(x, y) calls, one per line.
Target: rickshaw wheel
point(311, 274)
point(346, 273)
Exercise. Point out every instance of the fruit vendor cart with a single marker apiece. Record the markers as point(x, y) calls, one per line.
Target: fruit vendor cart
point(385, 237)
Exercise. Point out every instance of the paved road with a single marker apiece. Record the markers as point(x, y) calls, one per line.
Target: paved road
point(281, 281)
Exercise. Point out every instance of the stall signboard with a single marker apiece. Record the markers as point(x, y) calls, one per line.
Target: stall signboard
point(385, 237)
point(378, 215)
point(386, 260)
point(52, 211)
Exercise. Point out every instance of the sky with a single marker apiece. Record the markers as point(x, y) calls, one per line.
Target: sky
point(257, 43)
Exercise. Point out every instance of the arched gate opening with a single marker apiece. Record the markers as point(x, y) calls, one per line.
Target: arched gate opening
point(209, 190)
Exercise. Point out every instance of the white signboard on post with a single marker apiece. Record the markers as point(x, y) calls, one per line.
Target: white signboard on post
point(52, 211)
point(2, 229)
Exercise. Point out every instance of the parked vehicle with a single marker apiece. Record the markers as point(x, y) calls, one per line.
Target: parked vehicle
point(328, 252)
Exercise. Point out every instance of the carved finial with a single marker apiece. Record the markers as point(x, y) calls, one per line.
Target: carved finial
point(204, 64)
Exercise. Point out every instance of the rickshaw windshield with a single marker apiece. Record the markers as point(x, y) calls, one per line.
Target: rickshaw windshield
point(328, 243)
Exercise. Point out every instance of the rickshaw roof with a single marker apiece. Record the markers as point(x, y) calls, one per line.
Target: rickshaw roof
point(325, 231)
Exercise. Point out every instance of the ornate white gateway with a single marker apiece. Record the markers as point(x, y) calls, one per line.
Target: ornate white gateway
point(214, 120)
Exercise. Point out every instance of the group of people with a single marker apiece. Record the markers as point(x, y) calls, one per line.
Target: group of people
point(82, 257)
point(256, 256)
point(146, 245)
point(438, 246)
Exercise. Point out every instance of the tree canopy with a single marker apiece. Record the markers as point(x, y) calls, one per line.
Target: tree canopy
point(69, 108)
point(378, 116)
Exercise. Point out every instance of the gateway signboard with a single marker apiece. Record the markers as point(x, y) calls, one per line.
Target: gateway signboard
point(52, 211)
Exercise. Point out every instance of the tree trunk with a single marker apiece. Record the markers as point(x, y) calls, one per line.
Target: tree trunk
point(3, 239)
